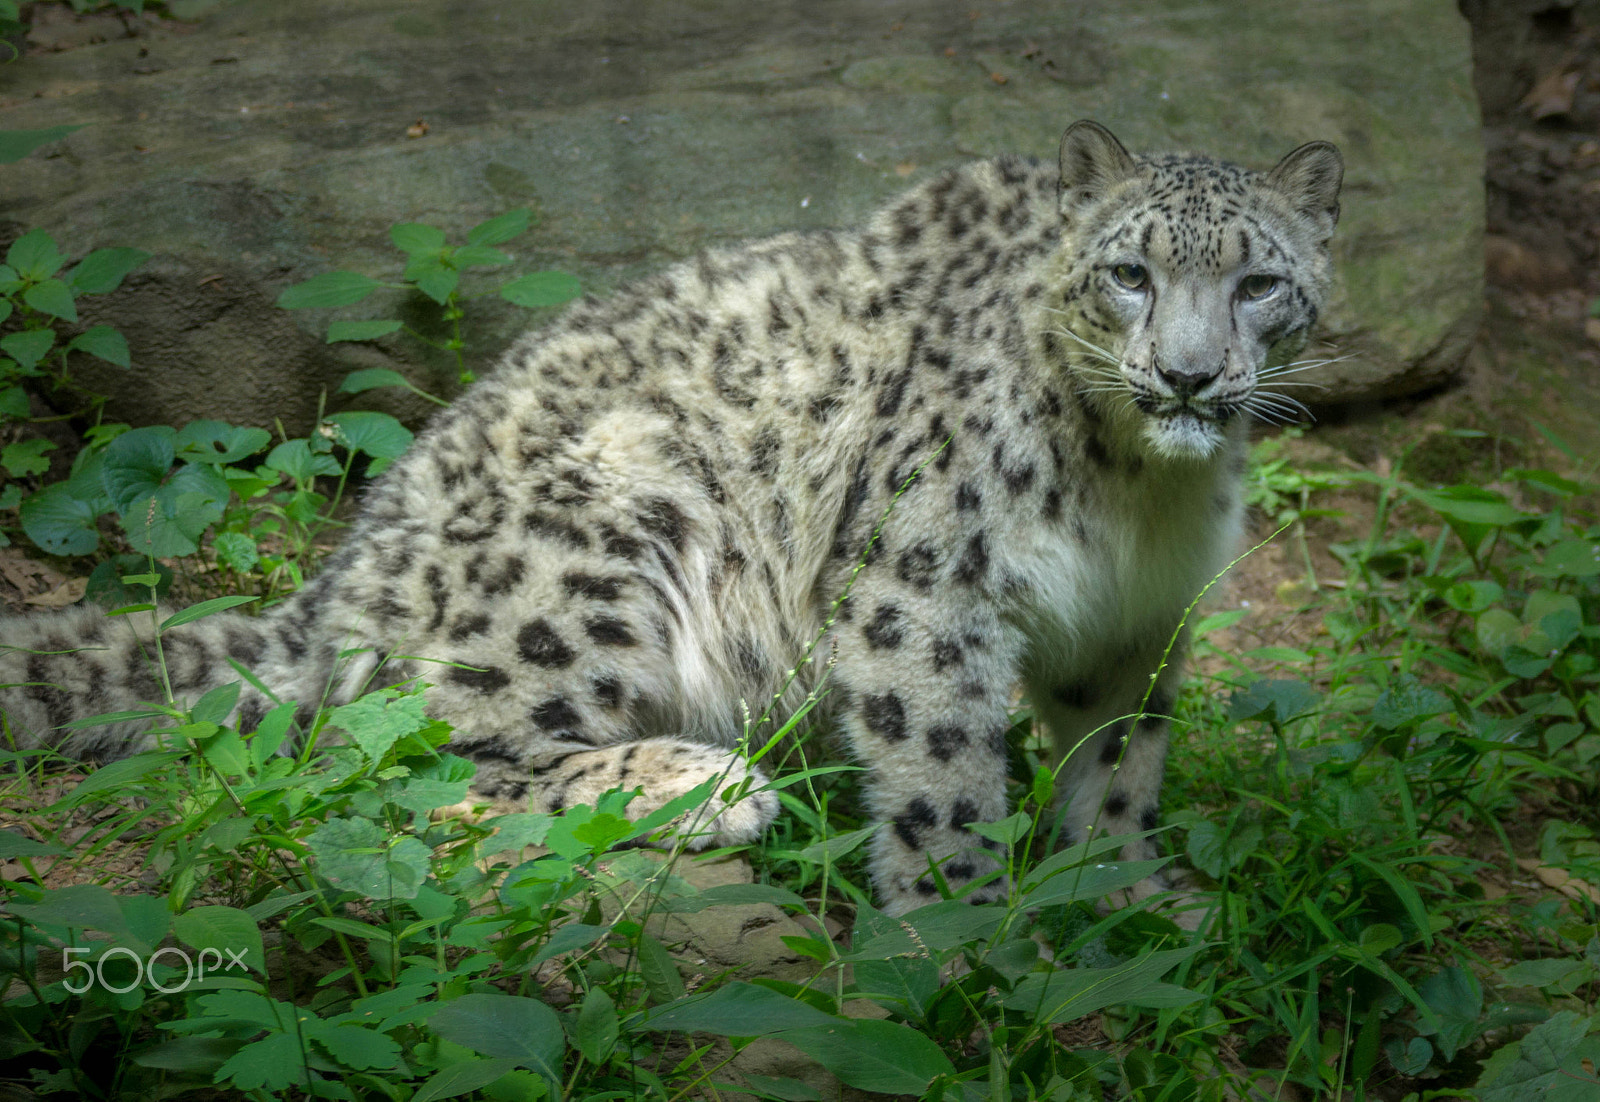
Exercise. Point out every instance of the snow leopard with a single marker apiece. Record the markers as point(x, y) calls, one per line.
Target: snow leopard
point(1017, 398)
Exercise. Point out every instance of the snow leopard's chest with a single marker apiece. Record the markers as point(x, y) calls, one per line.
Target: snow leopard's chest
point(1119, 583)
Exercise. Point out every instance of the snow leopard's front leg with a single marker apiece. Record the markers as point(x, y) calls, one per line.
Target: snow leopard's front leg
point(664, 768)
point(1110, 726)
point(926, 689)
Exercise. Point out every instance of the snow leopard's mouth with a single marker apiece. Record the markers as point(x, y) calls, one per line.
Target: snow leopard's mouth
point(1168, 407)
point(1188, 431)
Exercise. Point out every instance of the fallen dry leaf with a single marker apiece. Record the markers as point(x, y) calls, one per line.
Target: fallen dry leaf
point(68, 593)
point(1561, 880)
point(1553, 93)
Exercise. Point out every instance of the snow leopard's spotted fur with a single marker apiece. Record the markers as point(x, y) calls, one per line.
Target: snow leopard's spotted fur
point(639, 520)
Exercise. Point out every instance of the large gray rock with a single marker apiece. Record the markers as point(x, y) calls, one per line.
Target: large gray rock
point(267, 142)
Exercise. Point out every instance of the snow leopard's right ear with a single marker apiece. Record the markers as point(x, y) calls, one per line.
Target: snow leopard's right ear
point(1092, 160)
point(1310, 177)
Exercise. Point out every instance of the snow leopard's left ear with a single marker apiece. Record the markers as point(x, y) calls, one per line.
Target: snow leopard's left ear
point(1092, 160)
point(1310, 177)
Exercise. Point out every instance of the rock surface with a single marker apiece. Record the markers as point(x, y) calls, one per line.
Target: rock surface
point(263, 143)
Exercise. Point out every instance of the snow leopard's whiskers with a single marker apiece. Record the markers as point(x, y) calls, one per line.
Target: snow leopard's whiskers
point(1276, 409)
point(1298, 366)
point(1090, 345)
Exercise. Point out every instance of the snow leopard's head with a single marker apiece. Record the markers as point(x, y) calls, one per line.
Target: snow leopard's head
point(1191, 279)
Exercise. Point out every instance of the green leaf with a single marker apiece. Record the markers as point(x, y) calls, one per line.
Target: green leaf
point(574, 935)
point(1548, 481)
point(328, 289)
point(79, 906)
point(104, 342)
point(14, 403)
point(34, 256)
point(170, 521)
point(60, 523)
point(1406, 701)
point(104, 270)
point(1007, 831)
point(17, 144)
point(356, 855)
point(274, 1064)
point(1276, 701)
point(146, 919)
point(1092, 882)
point(377, 434)
point(1411, 1057)
point(834, 848)
point(236, 551)
point(217, 442)
point(360, 331)
point(438, 783)
point(1068, 994)
point(1571, 558)
point(119, 774)
point(1456, 996)
point(136, 463)
point(903, 981)
point(874, 1055)
point(1497, 630)
point(29, 346)
point(595, 1031)
point(737, 1009)
point(1472, 597)
point(1543, 973)
point(26, 457)
point(541, 289)
point(658, 970)
point(1470, 505)
point(433, 278)
point(371, 378)
point(497, 231)
point(52, 297)
point(377, 721)
point(216, 704)
point(514, 831)
point(223, 929)
point(415, 238)
point(478, 256)
point(509, 1027)
point(203, 609)
point(1215, 851)
point(462, 1078)
point(356, 1046)
point(296, 459)
point(13, 844)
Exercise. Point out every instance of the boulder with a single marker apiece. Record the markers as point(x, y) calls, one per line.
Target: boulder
point(256, 145)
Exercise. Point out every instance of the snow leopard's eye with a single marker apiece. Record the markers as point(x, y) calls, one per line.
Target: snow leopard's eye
point(1258, 286)
point(1132, 276)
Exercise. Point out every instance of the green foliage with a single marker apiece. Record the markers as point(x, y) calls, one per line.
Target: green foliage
point(168, 489)
point(1349, 944)
point(433, 269)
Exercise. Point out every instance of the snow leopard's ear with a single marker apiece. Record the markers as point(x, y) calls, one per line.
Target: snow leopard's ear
point(1092, 160)
point(1310, 177)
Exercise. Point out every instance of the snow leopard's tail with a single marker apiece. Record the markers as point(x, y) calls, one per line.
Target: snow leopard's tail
point(56, 668)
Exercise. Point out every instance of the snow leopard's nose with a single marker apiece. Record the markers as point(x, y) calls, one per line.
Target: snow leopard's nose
point(1188, 375)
